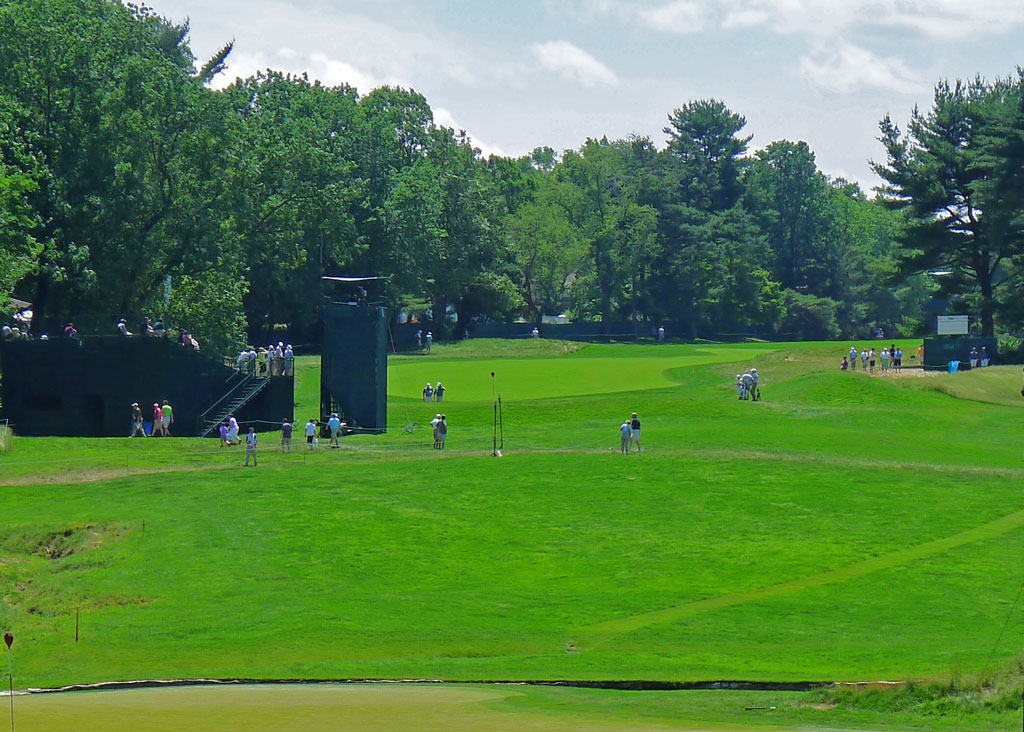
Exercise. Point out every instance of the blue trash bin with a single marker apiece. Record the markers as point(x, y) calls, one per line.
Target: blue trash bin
point(953, 366)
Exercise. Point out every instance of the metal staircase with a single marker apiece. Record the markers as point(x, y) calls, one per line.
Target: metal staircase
point(234, 399)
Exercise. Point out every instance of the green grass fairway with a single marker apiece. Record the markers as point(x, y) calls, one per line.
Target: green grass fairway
point(451, 708)
point(325, 709)
point(596, 369)
point(846, 528)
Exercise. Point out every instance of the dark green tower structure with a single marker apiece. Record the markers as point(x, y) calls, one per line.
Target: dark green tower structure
point(354, 365)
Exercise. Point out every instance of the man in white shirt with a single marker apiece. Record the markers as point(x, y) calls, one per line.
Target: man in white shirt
point(748, 381)
point(433, 424)
point(625, 435)
point(250, 447)
point(311, 433)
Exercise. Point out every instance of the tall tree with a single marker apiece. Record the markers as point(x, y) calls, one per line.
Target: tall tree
point(938, 174)
point(618, 230)
point(122, 128)
point(711, 248)
point(20, 173)
point(291, 194)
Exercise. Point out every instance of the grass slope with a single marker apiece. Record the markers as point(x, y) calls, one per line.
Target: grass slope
point(847, 527)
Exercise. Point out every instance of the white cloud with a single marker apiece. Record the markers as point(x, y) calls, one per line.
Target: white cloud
point(680, 16)
point(573, 63)
point(340, 47)
point(846, 68)
point(943, 19)
point(947, 19)
point(444, 118)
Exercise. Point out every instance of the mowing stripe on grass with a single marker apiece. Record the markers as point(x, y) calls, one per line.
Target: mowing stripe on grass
point(619, 626)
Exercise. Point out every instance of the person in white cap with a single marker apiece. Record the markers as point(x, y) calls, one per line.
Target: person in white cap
point(334, 424)
point(428, 393)
point(434, 423)
point(739, 386)
point(748, 381)
point(753, 387)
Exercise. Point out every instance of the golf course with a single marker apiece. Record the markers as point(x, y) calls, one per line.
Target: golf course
point(848, 529)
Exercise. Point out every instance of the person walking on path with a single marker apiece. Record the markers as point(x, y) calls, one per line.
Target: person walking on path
point(137, 426)
point(755, 394)
point(158, 420)
point(311, 434)
point(250, 447)
point(625, 435)
point(634, 425)
point(334, 424)
point(885, 360)
point(430, 340)
point(233, 437)
point(853, 358)
point(168, 418)
point(286, 436)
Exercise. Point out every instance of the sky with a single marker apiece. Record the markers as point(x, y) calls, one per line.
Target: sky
point(517, 75)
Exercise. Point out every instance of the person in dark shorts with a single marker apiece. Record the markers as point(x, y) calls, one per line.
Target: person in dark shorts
point(286, 436)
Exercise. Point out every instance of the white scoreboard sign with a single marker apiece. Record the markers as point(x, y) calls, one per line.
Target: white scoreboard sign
point(952, 325)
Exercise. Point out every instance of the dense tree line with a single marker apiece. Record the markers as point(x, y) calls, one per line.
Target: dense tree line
point(119, 166)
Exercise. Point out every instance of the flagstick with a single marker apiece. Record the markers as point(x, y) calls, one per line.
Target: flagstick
point(9, 639)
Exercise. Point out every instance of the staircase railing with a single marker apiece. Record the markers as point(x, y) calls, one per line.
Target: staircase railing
point(205, 425)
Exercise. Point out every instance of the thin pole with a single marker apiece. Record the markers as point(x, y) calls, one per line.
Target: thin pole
point(494, 428)
point(501, 423)
point(10, 683)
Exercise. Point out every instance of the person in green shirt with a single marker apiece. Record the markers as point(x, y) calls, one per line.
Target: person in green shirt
point(168, 418)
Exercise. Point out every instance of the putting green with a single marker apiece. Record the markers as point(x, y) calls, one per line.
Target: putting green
point(595, 370)
point(327, 708)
